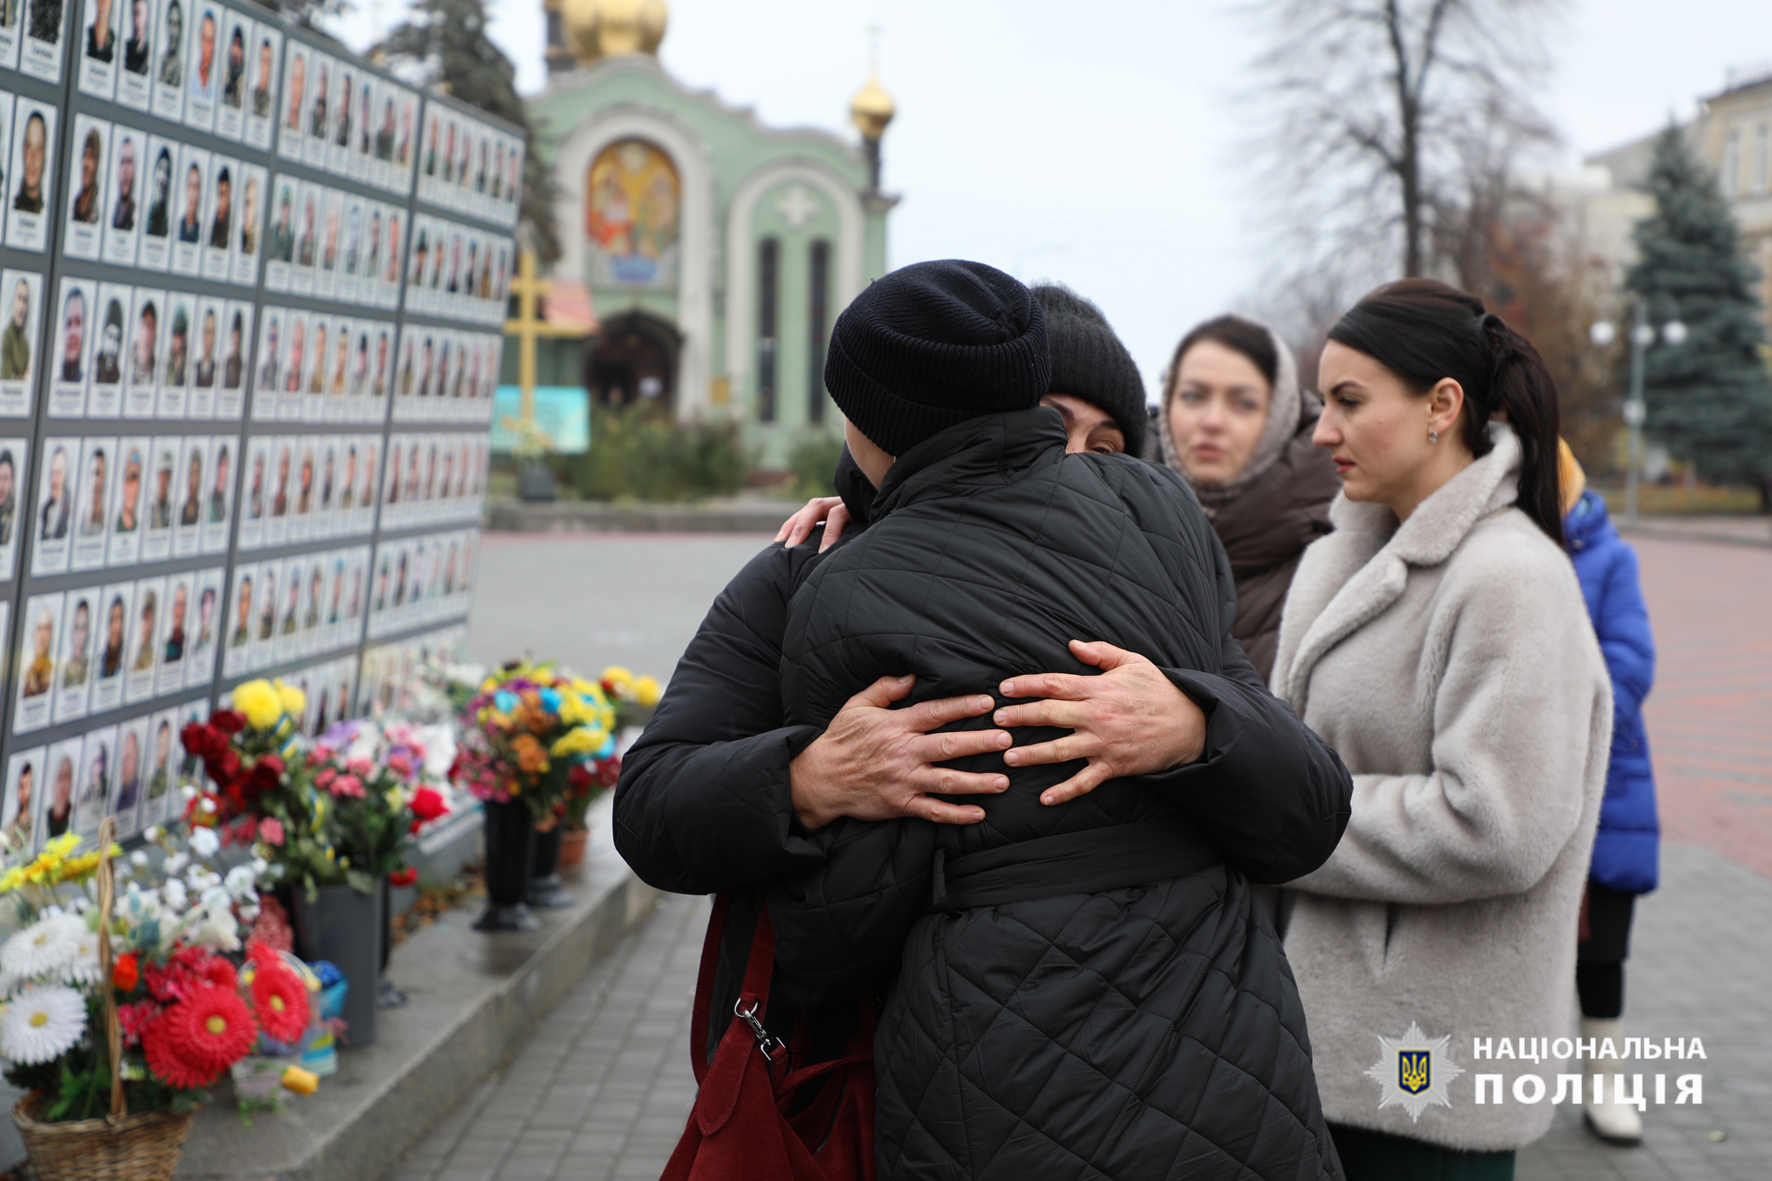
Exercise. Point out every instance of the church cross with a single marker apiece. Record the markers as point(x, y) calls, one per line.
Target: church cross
point(796, 207)
point(527, 327)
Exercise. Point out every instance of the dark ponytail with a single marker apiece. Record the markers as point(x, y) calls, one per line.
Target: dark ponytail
point(1425, 331)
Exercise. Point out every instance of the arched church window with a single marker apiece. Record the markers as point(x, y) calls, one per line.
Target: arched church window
point(768, 302)
point(818, 313)
point(633, 200)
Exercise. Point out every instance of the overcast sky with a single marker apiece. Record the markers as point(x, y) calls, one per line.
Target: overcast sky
point(1102, 142)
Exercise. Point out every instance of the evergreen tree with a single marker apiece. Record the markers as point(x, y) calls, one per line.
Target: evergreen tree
point(445, 43)
point(1710, 398)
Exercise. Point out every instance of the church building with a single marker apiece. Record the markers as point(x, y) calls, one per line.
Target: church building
point(716, 252)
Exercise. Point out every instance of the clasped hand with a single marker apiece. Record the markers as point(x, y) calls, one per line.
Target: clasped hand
point(877, 763)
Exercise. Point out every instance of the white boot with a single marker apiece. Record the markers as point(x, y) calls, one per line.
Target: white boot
point(1611, 1121)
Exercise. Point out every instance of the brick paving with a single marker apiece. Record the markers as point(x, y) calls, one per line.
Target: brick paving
point(603, 1089)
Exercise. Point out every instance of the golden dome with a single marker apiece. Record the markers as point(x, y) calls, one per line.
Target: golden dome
point(596, 29)
point(872, 109)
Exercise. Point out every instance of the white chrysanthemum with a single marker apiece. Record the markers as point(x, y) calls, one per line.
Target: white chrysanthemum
point(139, 859)
point(44, 948)
point(174, 864)
point(8, 983)
point(42, 1023)
point(204, 842)
point(173, 894)
point(83, 968)
point(152, 833)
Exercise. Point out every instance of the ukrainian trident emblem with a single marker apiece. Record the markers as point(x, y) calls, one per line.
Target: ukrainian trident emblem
point(1413, 1071)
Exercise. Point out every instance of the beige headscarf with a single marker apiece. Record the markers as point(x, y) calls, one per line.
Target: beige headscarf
point(1282, 424)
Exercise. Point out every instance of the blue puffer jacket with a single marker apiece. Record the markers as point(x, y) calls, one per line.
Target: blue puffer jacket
point(1627, 846)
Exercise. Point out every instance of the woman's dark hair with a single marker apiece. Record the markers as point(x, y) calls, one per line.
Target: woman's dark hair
point(1425, 331)
point(1238, 335)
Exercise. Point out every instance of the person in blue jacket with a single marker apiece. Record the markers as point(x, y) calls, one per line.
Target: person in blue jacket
point(1627, 846)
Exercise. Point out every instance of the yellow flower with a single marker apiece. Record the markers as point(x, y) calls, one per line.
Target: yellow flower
point(489, 685)
point(262, 705)
point(582, 740)
point(620, 680)
point(646, 691)
point(295, 702)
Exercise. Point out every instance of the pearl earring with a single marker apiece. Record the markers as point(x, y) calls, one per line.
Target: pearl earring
point(1433, 436)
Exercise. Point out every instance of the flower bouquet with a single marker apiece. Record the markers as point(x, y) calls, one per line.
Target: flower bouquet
point(529, 740)
point(124, 1004)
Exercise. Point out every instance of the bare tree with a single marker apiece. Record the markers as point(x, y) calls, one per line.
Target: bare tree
point(1392, 126)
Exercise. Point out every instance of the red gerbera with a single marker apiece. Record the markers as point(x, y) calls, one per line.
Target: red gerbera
point(279, 998)
point(199, 1037)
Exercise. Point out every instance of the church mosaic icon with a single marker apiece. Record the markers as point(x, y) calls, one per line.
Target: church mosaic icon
point(632, 215)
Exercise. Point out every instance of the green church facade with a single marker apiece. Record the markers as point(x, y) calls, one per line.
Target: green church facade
point(717, 252)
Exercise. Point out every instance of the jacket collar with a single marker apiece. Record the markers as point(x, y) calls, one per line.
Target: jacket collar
point(1365, 564)
point(1587, 524)
point(989, 450)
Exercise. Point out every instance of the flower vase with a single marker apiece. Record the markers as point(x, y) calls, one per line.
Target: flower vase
point(387, 995)
point(510, 858)
point(546, 891)
point(343, 925)
point(572, 846)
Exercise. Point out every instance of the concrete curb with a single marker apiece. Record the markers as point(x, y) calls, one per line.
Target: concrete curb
point(512, 516)
point(1670, 532)
point(473, 999)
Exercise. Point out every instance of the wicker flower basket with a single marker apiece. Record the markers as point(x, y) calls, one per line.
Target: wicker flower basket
point(140, 1148)
point(120, 1147)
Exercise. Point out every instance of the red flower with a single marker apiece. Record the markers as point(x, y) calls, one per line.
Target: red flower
point(229, 721)
point(134, 1018)
point(224, 767)
point(196, 1039)
point(279, 997)
point(428, 804)
point(124, 973)
point(220, 973)
point(267, 773)
point(403, 877)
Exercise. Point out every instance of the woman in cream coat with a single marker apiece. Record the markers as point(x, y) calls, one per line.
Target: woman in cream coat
point(1438, 640)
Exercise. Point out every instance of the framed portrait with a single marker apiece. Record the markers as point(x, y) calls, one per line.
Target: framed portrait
point(177, 324)
point(280, 245)
point(29, 187)
point(132, 775)
point(266, 42)
point(237, 323)
point(291, 122)
point(37, 663)
point(74, 671)
point(144, 353)
point(92, 504)
point(192, 503)
point(100, 35)
point(111, 661)
point(267, 376)
point(242, 617)
point(207, 347)
point(54, 518)
point(128, 500)
point(134, 89)
point(190, 191)
point(26, 781)
point(154, 238)
point(84, 235)
point(162, 498)
point(221, 208)
point(281, 490)
point(98, 780)
point(252, 185)
point(203, 65)
point(317, 118)
point(218, 501)
point(309, 201)
point(166, 763)
point(176, 617)
point(63, 762)
point(21, 307)
point(172, 35)
point(255, 493)
point(144, 639)
point(206, 592)
point(40, 52)
point(230, 107)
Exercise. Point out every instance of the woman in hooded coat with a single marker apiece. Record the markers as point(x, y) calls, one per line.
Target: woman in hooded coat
point(1237, 428)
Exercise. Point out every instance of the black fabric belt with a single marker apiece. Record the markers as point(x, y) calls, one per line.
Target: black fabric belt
point(1087, 862)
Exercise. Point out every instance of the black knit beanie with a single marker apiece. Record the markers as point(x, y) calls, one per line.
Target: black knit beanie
point(934, 344)
point(1089, 362)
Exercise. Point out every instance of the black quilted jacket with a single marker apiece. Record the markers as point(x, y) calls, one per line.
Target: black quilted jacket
point(704, 806)
point(1147, 1030)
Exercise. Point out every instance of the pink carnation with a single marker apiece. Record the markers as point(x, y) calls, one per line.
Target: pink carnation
point(270, 830)
point(345, 787)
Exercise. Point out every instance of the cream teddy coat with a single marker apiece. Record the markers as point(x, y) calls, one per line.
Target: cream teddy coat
point(1451, 663)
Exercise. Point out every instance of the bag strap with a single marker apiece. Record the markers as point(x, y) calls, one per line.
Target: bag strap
point(704, 986)
point(753, 999)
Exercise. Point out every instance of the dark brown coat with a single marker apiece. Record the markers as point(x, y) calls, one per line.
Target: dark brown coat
point(1265, 530)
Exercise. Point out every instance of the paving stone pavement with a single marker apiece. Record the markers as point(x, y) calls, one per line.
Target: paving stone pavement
point(602, 1089)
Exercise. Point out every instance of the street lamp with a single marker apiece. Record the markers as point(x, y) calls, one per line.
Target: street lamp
point(1642, 335)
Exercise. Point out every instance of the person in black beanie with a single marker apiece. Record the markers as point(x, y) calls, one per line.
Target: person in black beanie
point(1094, 386)
point(1088, 980)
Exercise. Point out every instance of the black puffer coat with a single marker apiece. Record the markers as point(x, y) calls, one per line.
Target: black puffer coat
point(1088, 990)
